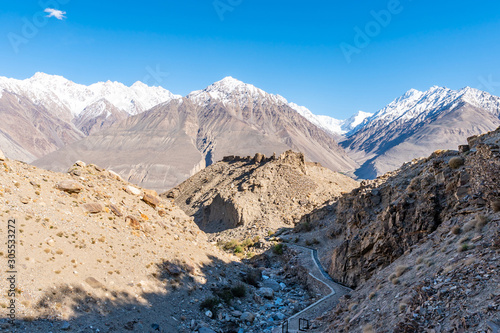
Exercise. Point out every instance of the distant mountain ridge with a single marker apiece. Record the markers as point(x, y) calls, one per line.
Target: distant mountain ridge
point(47, 112)
point(418, 123)
point(76, 110)
point(57, 91)
point(331, 125)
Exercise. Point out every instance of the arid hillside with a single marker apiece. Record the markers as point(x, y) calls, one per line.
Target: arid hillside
point(93, 250)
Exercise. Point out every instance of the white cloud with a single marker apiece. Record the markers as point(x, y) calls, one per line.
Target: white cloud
point(58, 14)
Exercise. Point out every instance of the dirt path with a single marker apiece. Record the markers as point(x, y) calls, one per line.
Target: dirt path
point(308, 258)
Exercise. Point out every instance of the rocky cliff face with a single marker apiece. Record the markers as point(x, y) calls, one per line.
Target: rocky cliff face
point(386, 217)
point(243, 197)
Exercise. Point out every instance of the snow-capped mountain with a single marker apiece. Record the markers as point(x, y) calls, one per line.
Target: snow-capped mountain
point(53, 111)
point(230, 91)
point(418, 123)
point(332, 125)
point(416, 104)
point(53, 90)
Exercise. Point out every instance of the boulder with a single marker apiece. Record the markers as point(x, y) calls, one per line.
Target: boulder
point(133, 222)
point(114, 175)
point(270, 283)
point(69, 186)
point(151, 200)
point(93, 208)
point(266, 292)
point(115, 210)
point(205, 329)
point(463, 148)
point(133, 190)
point(258, 158)
point(236, 313)
point(248, 316)
point(173, 269)
point(65, 326)
point(2, 156)
point(80, 164)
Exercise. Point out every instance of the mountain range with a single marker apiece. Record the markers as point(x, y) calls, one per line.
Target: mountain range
point(418, 123)
point(46, 112)
point(169, 143)
point(158, 139)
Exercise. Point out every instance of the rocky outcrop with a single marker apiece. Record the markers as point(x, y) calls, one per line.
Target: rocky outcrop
point(247, 196)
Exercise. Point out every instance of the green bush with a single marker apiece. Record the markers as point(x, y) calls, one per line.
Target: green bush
point(278, 248)
point(225, 295)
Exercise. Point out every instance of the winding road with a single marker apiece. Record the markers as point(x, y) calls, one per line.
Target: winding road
point(308, 258)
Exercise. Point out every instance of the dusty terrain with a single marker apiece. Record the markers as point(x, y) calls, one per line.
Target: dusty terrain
point(97, 254)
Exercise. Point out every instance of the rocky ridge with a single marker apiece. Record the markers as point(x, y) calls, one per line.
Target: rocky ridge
point(420, 245)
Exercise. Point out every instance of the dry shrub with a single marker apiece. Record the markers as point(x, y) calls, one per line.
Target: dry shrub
point(456, 162)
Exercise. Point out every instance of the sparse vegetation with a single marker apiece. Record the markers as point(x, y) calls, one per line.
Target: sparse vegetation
point(481, 221)
point(368, 328)
point(456, 230)
point(210, 304)
point(304, 227)
point(464, 247)
point(456, 162)
point(238, 247)
point(239, 291)
point(400, 270)
point(402, 307)
point(495, 205)
point(469, 226)
point(313, 241)
point(278, 248)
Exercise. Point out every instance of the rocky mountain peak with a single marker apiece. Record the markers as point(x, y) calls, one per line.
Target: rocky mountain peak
point(230, 90)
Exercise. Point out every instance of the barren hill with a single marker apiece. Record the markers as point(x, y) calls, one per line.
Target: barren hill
point(92, 250)
point(29, 131)
point(244, 197)
point(97, 254)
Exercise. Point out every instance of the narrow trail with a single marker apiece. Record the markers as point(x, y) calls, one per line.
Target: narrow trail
point(308, 258)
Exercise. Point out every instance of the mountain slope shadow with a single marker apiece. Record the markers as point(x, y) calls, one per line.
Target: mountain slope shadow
point(172, 309)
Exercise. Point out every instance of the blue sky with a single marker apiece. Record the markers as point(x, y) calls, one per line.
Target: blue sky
point(293, 48)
